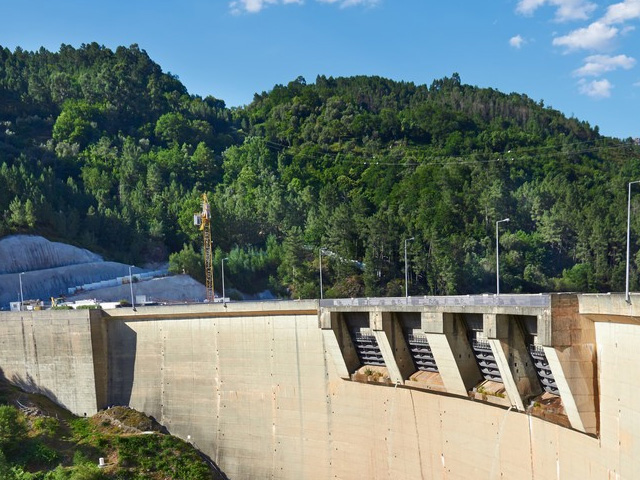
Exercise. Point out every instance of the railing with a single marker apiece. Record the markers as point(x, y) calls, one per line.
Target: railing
point(543, 370)
point(421, 353)
point(537, 300)
point(367, 348)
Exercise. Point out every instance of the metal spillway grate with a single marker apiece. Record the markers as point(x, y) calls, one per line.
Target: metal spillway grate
point(367, 348)
point(421, 353)
point(486, 361)
point(543, 370)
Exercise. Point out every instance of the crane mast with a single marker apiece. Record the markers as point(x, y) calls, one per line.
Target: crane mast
point(203, 219)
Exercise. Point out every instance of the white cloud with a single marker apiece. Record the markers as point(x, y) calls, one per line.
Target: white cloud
point(596, 65)
point(621, 12)
point(527, 7)
point(596, 36)
point(595, 88)
point(517, 41)
point(637, 84)
point(601, 35)
point(255, 6)
point(352, 3)
point(565, 9)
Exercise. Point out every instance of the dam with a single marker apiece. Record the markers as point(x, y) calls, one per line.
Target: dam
point(486, 386)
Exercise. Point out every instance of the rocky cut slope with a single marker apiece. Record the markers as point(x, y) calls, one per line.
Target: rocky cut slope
point(42, 269)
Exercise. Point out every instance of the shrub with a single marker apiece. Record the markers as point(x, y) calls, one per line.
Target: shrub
point(12, 428)
point(47, 426)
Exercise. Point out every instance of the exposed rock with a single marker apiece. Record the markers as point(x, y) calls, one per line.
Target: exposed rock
point(24, 253)
point(51, 268)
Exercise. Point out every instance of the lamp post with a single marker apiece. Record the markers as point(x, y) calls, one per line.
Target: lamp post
point(498, 256)
point(21, 297)
point(626, 290)
point(223, 260)
point(320, 263)
point(406, 268)
point(133, 304)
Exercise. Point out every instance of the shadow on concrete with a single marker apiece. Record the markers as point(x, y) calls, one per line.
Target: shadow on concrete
point(218, 474)
point(123, 344)
point(29, 385)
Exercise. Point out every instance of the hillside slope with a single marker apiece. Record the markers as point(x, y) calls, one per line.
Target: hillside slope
point(42, 441)
point(102, 149)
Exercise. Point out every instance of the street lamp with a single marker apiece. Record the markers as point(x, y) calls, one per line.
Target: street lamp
point(133, 304)
point(320, 257)
point(406, 269)
point(498, 256)
point(21, 297)
point(223, 260)
point(626, 291)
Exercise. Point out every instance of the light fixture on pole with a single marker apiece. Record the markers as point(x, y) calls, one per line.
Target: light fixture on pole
point(21, 297)
point(320, 263)
point(133, 304)
point(627, 296)
point(223, 260)
point(406, 269)
point(498, 256)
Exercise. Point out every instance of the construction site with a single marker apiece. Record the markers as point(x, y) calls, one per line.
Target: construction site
point(36, 274)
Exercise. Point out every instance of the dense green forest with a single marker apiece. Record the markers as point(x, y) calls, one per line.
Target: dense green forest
point(103, 150)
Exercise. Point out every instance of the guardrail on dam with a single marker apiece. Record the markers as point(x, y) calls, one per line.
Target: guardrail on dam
point(509, 386)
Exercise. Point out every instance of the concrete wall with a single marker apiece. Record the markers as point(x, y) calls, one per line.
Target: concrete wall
point(260, 393)
point(52, 352)
point(259, 388)
point(617, 334)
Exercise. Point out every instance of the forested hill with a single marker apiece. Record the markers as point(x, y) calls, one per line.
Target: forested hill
point(104, 150)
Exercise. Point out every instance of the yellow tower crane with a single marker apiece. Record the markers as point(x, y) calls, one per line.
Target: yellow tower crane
point(203, 220)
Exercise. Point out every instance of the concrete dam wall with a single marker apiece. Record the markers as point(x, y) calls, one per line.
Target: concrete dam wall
point(443, 387)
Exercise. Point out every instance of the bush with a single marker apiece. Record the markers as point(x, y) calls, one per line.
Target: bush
point(12, 429)
point(6, 472)
point(43, 454)
point(81, 428)
point(80, 458)
point(87, 471)
point(47, 426)
point(187, 261)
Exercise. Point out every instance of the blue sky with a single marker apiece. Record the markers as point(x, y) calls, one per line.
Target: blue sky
point(578, 56)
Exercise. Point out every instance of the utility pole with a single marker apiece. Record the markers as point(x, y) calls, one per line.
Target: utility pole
point(498, 256)
point(320, 262)
point(133, 303)
point(223, 260)
point(627, 296)
point(21, 297)
point(406, 268)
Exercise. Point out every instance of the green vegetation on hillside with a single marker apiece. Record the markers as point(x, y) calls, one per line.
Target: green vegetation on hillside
point(41, 441)
point(104, 150)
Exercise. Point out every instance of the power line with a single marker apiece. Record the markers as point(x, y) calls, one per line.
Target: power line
point(444, 160)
